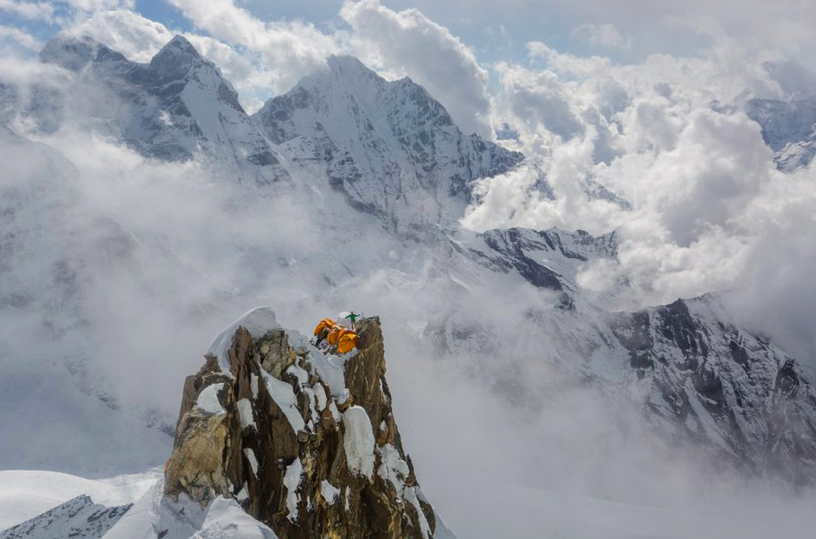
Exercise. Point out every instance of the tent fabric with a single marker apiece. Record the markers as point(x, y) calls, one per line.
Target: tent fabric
point(335, 334)
point(347, 342)
point(326, 323)
point(342, 337)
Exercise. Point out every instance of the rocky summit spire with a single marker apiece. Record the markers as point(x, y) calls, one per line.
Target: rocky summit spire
point(305, 441)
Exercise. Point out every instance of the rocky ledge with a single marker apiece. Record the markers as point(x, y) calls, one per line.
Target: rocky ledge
point(304, 441)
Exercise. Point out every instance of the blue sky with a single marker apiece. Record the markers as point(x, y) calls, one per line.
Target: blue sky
point(495, 30)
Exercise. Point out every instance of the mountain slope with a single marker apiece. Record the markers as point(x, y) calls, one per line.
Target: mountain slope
point(723, 387)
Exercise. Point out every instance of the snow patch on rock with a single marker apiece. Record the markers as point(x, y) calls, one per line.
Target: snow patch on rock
point(253, 461)
point(393, 468)
point(358, 441)
point(329, 492)
point(245, 413)
point(291, 480)
point(208, 399)
point(284, 396)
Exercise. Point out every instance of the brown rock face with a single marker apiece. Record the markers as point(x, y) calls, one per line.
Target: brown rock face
point(308, 456)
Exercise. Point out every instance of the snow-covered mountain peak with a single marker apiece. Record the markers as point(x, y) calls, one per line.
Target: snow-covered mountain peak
point(351, 68)
point(388, 147)
point(177, 58)
point(179, 45)
point(348, 78)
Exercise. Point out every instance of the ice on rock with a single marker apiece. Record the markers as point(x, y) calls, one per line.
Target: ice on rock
point(253, 461)
point(253, 384)
point(284, 396)
point(393, 468)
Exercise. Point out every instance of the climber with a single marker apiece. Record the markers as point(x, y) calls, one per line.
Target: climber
point(350, 316)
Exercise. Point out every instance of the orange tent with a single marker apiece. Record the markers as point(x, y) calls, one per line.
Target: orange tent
point(335, 334)
point(326, 323)
point(347, 342)
point(343, 338)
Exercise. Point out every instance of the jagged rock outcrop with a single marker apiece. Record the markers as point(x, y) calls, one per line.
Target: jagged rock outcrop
point(306, 442)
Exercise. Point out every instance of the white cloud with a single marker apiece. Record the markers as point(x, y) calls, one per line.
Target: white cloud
point(90, 6)
point(42, 11)
point(605, 35)
point(286, 50)
point(538, 100)
point(14, 37)
point(124, 31)
point(408, 43)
